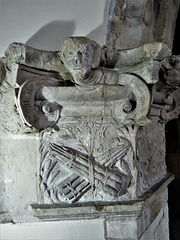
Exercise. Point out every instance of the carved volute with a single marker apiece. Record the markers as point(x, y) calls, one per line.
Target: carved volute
point(87, 103)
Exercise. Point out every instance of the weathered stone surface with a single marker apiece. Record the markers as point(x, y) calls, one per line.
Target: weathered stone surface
point(100, 122)
point(150, 155)
point(88, 112)
point(2, 71)
point(130, 23)
point(122, 220)
point(171, 71)
point(151, 138)
point(98, 115)
point(88, 139)
point(150, 51)
point(88, 148)
point(166, 22)
point(159, 228)
point(165, 104)
point(10, 122)
point(133, 23)
point(97, 137)
point(158, 213)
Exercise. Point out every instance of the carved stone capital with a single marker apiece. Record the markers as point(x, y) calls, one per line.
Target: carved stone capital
point(88, 103)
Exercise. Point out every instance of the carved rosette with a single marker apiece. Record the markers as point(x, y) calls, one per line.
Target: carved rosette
point(86, 156)
point(91, 156)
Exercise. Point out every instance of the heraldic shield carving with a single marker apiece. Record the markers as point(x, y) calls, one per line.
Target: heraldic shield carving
point(87, 112)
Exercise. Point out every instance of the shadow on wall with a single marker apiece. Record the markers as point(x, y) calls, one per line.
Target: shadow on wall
point(51, 35)
point(99, 33)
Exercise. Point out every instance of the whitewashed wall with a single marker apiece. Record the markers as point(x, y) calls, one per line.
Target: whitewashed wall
point(44, 23)
point(64, 230)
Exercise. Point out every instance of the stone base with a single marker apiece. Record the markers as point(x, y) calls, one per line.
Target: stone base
point(143, 219)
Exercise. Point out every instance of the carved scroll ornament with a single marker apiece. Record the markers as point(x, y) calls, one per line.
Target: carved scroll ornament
point(166, 93)
point(88, 115)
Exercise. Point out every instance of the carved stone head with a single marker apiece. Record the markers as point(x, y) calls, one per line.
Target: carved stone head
point(80, 56)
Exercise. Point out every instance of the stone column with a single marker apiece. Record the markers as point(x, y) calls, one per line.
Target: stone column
point(133, 23)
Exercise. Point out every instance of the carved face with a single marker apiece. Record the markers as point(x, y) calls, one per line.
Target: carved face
point(80, 59)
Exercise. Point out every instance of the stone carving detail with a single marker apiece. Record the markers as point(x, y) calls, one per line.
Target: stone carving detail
point(69, 171)
point(9, 119)
point(88, 148)
point(88, 111)
point(166, 93)
point(151, 139)
point(35, 112)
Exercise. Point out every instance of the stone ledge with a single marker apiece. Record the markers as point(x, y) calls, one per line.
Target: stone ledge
point(106, 210)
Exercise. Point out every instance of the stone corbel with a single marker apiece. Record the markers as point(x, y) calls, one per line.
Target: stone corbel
point(88, 103)
point(132, 66)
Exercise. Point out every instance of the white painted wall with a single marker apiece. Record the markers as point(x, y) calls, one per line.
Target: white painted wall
point(63, 230)
point(44, 23)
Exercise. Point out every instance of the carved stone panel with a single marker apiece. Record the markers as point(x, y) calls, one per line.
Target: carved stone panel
point(151, 163)
point(88, 107)
point(90, 155)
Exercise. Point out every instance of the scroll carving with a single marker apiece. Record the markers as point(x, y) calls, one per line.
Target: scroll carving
point(10, 122)
point(88, 111)
point(166, 103)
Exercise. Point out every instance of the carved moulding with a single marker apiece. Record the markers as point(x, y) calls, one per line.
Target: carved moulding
point(10, 122)
point(88, 120)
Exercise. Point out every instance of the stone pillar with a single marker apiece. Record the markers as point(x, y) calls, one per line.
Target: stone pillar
point(132, 23)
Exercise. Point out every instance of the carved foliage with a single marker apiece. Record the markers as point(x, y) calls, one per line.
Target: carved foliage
point(91, 156)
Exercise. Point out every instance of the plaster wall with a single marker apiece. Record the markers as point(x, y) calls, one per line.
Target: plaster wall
point(44, 23)
point(63, 230)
